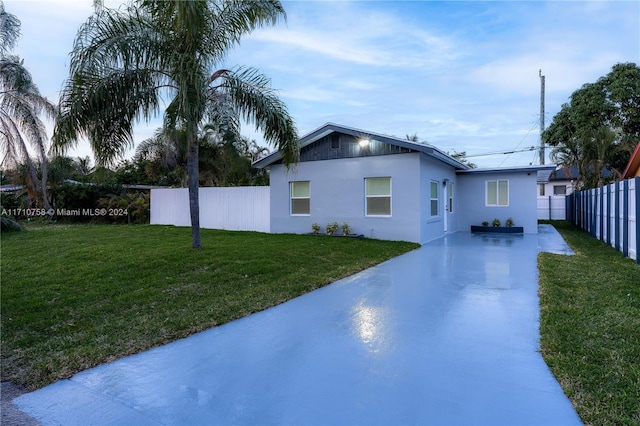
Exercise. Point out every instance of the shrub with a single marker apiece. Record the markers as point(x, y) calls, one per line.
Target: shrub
point(8, 224)
point(332, 228)
point(509, 223)
point(346, 229)
point(131, 207)
point(485, 223)
point(315, 228)
point(81, 196)
point(496, 223)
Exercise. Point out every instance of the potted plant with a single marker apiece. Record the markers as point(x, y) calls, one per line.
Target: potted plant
point(496, 227)
point(332, 228)
point(315, 228)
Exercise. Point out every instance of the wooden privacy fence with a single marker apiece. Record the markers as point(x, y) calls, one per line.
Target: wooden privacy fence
point(244, 208)
point(610, 214)
point(552, 207)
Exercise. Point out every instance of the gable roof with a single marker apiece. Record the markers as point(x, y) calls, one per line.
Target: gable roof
point(329, 128)
point(633, 168)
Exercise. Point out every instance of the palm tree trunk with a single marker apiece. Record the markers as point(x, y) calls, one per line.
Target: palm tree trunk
point(33, 192)
point(45, 170)
point(194, 199)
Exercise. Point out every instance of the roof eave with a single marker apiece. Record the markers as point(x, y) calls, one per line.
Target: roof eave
point(331, 127)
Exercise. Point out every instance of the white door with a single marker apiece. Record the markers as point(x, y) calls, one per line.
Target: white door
point(448, 204)
point(446, 207)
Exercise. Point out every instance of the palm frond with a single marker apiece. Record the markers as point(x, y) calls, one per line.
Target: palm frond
point(253, 98)
point(230, 20)
point(9, 30)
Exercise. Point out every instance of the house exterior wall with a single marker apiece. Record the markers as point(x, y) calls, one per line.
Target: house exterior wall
point(522, 204)
point(549, 187)
point(432, 227)
point(337, 194)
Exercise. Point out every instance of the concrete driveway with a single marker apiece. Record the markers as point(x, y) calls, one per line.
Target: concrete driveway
point(446, 334)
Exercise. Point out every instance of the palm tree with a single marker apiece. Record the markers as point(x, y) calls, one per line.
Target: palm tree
point(572, 152)
point(604, 146)
point(164, 152)
point(21, 106)
point(125, 64)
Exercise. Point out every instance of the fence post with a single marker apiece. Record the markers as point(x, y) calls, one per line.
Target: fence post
point(594, 214)
point(637, 195)
point(625, 220)
point(601, 199)
point(617, 216)
point(609, 215)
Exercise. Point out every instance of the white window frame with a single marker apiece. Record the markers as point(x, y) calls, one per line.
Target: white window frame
point(437, 199)
point(291, 198)
point(367, 196)
point(497, 195)
point(559, 186)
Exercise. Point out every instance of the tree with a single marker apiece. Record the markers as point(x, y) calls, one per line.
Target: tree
point(600, 125)
point(125, 64)
point(412, 138)
point(462, 158)
point(21, 106)
point(223, 159)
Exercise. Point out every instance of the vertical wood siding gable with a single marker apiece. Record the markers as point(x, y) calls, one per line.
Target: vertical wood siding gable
point(348, 148)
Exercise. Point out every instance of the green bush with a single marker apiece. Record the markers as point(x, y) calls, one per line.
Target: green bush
point(130, 207)
point(11, 201)
point(83, 197)
point(8, 224)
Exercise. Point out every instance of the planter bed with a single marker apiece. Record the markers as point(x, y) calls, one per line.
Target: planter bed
point(498, 229)
point(338, 235)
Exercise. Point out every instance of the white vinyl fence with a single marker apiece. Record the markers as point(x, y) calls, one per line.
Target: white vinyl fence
point(552, 207)
point(244, 208)
point(611, 214)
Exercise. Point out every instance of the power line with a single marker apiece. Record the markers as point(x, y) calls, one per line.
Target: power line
point(531, 148)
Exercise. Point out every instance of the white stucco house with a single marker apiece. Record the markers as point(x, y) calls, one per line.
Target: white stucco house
point(561, 182)
point(389, 188)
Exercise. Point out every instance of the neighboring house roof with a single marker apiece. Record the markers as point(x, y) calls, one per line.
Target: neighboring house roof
point(329, 128)
point(565, 173)
point(572, 172)
point(543, 172)
point(10, 188)
point(633, 168)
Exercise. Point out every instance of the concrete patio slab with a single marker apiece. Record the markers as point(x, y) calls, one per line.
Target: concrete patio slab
point(446, 334)
point(550, 241)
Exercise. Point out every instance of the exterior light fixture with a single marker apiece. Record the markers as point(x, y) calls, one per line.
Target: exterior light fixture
point(363, 143)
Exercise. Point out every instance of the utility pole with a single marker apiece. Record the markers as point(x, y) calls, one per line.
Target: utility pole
point(541, 116)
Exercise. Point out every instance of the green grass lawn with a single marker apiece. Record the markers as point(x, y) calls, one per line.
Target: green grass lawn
point(74, 297)
point(590, 327)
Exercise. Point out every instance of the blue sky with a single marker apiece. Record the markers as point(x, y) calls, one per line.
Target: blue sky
point(462, 75)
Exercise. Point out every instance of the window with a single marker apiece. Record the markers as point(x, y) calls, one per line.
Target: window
point(434, 198)
point(300, 198)
point(541, 189)
point(450, 197)
point(378, 196)
point(497, 193)
point(335, 141)
point(559, 190)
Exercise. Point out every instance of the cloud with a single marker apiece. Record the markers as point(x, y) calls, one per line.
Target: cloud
point(353, 33)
